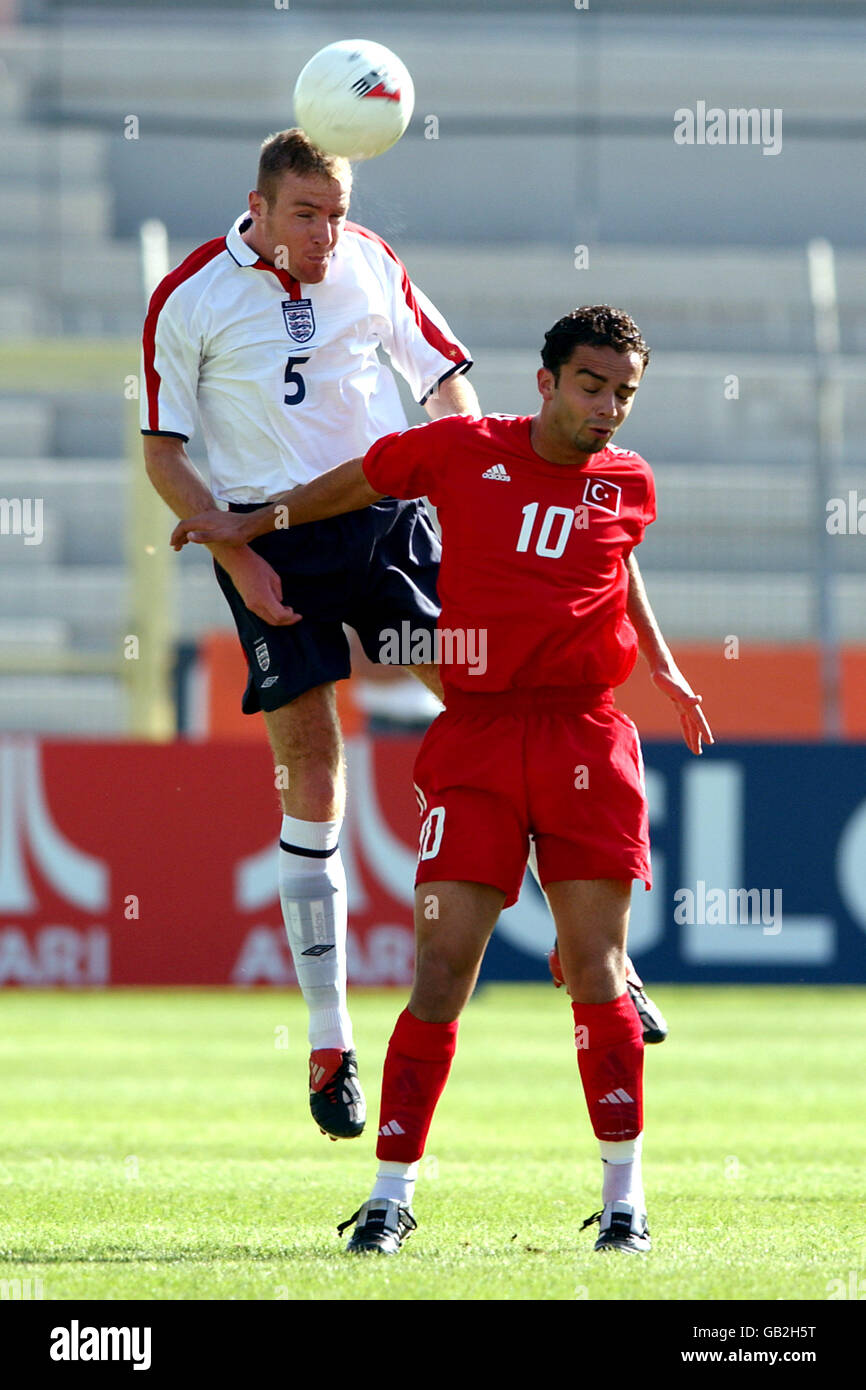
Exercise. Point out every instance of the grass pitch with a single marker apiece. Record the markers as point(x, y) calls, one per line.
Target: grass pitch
point(158, 1145)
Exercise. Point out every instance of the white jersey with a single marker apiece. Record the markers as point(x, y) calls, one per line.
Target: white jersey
point(285, 377)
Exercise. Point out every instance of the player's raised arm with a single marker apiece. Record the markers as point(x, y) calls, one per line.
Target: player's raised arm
point(341, 489)
point(665, 673)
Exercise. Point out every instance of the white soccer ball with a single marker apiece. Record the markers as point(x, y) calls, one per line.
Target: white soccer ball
point(354, 98)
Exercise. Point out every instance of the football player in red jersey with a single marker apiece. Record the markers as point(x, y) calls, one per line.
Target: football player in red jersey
point(543, 612)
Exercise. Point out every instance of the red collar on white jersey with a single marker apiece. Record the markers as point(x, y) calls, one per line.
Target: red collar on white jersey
point(245, 256)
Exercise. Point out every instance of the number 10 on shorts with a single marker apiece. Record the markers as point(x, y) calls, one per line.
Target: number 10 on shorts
point(431, 833)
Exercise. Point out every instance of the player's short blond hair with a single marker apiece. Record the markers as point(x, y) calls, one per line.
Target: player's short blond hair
point(292, 151)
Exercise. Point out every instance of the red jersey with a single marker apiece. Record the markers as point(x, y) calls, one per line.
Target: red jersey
point(533, 581)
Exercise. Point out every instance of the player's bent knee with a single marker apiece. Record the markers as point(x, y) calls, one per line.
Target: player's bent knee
point(597, 981)
point(442, 987)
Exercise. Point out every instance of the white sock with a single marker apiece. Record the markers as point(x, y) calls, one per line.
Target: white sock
point(313, 897)
point(396, 1181)
point(623, 1181)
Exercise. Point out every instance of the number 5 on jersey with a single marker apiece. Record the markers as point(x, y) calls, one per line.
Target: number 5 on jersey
point(294, 379)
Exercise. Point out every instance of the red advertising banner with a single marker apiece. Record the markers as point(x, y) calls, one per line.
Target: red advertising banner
point(141, 864)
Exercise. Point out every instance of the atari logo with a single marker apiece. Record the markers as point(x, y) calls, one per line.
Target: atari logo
point(29, 838)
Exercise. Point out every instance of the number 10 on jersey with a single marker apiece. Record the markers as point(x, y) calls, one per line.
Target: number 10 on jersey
point(562, 515)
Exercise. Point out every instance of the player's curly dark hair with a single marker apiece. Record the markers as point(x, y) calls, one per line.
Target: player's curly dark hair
point(594, 325)
point(293, 150)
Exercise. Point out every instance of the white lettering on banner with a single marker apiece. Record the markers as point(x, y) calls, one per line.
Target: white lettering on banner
point(713, 820)
point(851, 864)
point(54, 956)
point(646, 923)
point(25, 822)
point(386, 956)
point(527, 925)
point(364, 829)
point(713, 836)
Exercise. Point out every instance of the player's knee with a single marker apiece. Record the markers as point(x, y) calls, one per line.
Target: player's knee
point(597, 975)
point(443, 983)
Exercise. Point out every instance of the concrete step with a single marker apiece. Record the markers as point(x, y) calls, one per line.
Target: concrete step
point(95, 600)
point(65, 157)
point(683, 412)
point(762, 607)
point(33, 634)
point(526, 63)
point(683, 298)
point(81, 213)
point(93, 705)
point(26, 427)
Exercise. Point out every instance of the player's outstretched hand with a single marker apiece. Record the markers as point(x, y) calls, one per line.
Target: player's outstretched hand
point(258, 584)
point(228, 528)
point(671, 682)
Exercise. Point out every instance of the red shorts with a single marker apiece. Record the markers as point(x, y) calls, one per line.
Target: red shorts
point(561, 766)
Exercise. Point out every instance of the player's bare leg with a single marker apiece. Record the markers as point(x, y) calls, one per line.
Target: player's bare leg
point(653, 1022)
point(308, 759)
point(453, 922)
point(592, 924)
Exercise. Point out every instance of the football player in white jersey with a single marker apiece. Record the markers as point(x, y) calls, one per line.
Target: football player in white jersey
point(268, 337)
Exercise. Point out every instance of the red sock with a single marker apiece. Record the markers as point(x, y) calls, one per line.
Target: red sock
point(609, 1040)
point(416, 1069)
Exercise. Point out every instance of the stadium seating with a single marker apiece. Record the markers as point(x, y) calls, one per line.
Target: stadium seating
point(735, 546)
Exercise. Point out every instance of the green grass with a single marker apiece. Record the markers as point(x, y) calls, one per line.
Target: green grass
point(157, 1145)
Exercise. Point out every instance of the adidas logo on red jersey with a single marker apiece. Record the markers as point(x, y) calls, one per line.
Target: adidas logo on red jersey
point(498, 473)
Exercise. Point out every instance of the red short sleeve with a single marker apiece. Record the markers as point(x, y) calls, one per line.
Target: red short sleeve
point(410, 463)
point(649, 511)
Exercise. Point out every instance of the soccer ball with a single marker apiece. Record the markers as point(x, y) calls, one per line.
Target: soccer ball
point(354, 98)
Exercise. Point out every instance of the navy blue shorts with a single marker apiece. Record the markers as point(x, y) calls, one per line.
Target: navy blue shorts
point(372, 570)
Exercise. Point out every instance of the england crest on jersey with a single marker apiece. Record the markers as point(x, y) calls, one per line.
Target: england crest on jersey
point(298, 315)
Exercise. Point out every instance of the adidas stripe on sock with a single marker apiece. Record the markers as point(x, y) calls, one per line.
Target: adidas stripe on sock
point(417, 1064)
point(610, 1048)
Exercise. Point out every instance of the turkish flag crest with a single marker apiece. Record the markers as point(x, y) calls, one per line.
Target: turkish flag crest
point(598, 492)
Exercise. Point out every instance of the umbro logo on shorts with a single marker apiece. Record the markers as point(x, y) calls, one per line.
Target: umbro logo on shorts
point(317, 950)
point(271, 680)
point(618, 1097)
point(498, 473)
